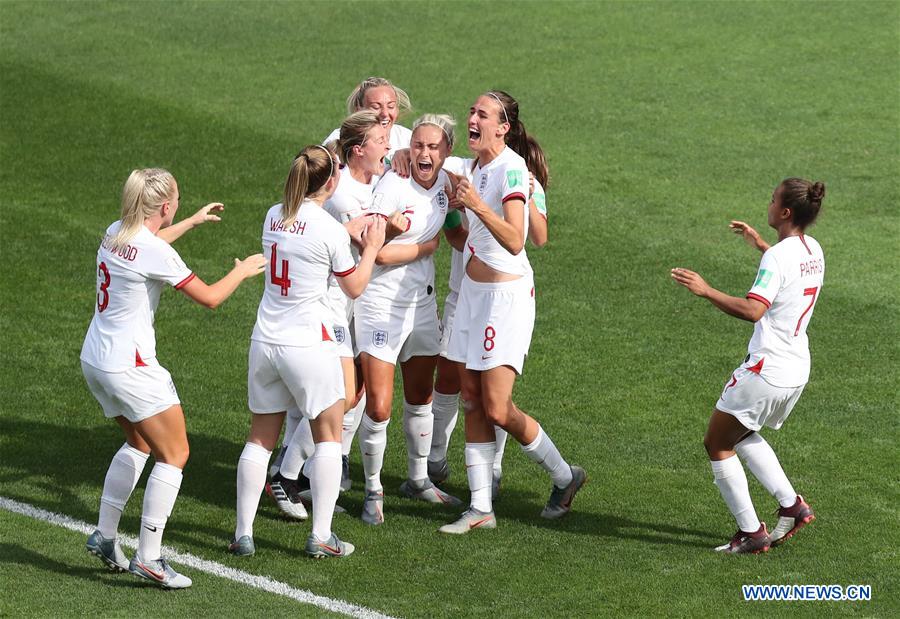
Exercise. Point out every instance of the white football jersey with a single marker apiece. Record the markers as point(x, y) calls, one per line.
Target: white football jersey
point(412, 283)
point(399, 136)
point(293, 310)
point(129, 282)
point(460, 167)
point(504, 178)
point(350, 200)
point(789, 282)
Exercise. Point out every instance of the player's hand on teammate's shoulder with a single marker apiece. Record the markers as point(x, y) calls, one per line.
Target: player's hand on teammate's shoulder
point(690, 280)
point(207, 214)
point(251, 265)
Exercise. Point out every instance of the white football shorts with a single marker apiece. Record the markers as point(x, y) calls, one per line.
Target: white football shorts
point(447, 320)
point(756, 403)
point(340, 308)
point(308, 377)
point(395, 333)
point(493, 324)
point(137, 393)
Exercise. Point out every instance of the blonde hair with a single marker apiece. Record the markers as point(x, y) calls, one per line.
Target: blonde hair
point(311, 169)
point(356, 98)
point(444, 122)
point(354, 130)
point(144, 193)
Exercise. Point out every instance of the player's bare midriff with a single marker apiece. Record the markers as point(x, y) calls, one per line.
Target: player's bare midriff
point(479, 272)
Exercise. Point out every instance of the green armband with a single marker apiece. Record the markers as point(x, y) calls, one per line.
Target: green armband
point(452, 220)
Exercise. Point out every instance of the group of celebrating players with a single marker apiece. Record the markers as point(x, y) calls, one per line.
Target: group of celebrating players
point(350, 292)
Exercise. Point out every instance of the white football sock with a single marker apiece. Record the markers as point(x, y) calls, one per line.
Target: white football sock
point(544, 452)
point(372, 442)
point(350, 425)
point(763, 463)
point(479, 461)
point(121, 478)
point(324, 470)
point(732, 482)
point(159, 499)
point(501, 435)
point(445, 408)
point(298, 451)
point(251, 479)
point(418, 422)
point(291, 421)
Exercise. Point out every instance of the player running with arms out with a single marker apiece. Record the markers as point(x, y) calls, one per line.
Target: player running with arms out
point(388, 102)
point(765, 388)
point(293, 359)
point(494, 320)
point(362, 146)
point(396, 318)
point(118, 359)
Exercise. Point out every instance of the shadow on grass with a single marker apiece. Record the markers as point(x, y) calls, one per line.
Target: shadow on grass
point(49, 466)
point(16, 554)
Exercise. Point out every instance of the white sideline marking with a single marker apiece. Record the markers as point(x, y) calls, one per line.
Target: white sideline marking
point(210, 567)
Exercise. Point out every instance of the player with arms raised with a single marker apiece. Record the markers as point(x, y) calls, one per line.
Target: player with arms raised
point(118, 358)
point(765, 388)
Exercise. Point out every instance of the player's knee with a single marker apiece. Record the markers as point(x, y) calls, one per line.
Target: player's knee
point(496, 414)
point(378, 409)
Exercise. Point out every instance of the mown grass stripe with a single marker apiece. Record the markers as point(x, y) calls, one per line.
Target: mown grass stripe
point(210, 567)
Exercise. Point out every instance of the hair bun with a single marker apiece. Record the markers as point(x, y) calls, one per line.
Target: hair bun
point(816, 192)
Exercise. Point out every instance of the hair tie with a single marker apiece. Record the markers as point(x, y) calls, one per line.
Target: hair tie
point(502, 107)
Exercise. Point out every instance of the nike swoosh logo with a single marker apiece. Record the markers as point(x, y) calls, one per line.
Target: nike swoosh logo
point(331, 549)
point(366, 453)
point(483, 357)
point(149, 528)
point(159, 577)
point(425, 434)
point(473, 525)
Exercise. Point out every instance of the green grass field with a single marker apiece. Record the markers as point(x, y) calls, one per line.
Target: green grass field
point(661, 121)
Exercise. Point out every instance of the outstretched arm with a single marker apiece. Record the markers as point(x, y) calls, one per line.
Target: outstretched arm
point(745, 309)
point(213, 295)
point(172, 233)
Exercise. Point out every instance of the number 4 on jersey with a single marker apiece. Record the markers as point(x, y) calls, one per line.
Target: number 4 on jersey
point(279, 280)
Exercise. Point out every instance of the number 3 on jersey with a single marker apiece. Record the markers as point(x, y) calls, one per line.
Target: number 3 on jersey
point(103, 287)
point(279, 280)
point(807, 292)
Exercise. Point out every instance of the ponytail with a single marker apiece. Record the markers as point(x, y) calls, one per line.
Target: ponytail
point(517, 137)
point(311, 169)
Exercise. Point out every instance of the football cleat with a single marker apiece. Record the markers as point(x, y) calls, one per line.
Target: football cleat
point(747, 543)
point(373, 508)
point(790, 520)
point(332, 548)
point(108, 551)
point(428, 493)
point(438, 472)
point(287, 497)
point(159, 572)
point(471, 519)
point(560, 502)
point(242, 547)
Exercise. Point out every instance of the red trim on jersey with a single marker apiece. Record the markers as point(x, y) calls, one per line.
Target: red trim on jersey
point(756, 297)
point(138, 362)
point(471, 249)
point(325, 336)
point(185, 281)
point(756, 369)
point(808, 250)
point(408, 224)
point(515, 196)
point(345, 273)
point(377, 215)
